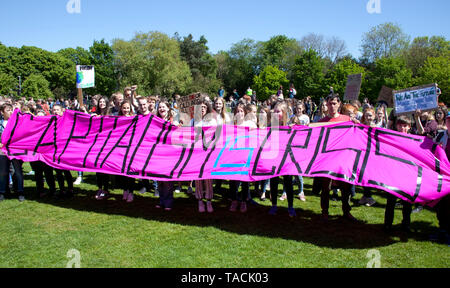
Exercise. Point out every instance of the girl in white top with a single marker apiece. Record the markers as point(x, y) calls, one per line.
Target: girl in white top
point(204, 188)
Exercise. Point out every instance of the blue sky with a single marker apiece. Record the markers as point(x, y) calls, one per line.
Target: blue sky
point(48, 25)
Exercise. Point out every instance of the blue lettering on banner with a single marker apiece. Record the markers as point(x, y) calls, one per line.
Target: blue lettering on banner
point(234, 165)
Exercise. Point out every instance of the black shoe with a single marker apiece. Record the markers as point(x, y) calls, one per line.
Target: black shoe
point(2, 197)
point(21, 198)
point(387, 229)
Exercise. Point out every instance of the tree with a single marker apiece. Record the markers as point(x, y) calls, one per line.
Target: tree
point(37, 87)
point(8, 84)
point(308, 76)
point(337, 77)
point(152, 61)
point(241, 65)
point(384, 40)
point(332, 48)
point(102, 57)
point(436, 70)
point(424, 47)
point(202, 65)
point(268, 82)
point(390, 72)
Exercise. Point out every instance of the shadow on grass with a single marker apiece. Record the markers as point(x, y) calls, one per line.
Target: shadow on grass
point(306, 227)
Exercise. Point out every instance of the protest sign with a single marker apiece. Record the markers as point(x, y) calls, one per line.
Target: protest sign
point(421, 97)
point(385, 95)
point(187, 103)
point(85, 76)
point(353, 87)
point(408, 166)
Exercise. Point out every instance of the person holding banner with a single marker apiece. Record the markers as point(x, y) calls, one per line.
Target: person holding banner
point(368, 119)
point(127, 182)
point(165, 188)
point(204, 188)
point(280, 118)
point(5, 163)
point(63, 175)
point(244, 117)
point(403, 125)
point(334, 103)
point(102, 178)
point(222, 118)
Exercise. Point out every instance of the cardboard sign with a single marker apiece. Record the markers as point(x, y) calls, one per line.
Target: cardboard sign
point(353, 87)
point(187, 103)
point(85, 76)
point(386, 96)
point(419, 97)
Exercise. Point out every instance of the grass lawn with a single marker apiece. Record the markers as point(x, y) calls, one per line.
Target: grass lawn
point(113, 233)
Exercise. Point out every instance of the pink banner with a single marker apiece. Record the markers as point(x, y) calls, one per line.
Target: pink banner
point(410, 167)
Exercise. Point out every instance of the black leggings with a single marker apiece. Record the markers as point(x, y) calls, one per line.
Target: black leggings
point(40, 169)
point(287, 183)
point(103, 181)
point(234, 186)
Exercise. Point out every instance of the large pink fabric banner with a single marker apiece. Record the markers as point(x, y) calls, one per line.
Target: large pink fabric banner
point(410, 167)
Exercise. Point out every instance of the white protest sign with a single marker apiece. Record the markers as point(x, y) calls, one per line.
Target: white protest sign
point(420, 97)
point(85, 76)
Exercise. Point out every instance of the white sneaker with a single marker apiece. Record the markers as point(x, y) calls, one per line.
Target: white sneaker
point(201, 206)
point(31, 173)
point(177, 190)
point(209, 207)
point(363, 200)
point(77, 181)
point(370, 202)
point(130, 197)
point(143, 190)
point(302, 197)
point(283, 197)
point(125, 194)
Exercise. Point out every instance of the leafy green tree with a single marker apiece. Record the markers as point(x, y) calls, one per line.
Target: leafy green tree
point(102, 57)
point(390, 72)
point(37, 87)
point(384, 40)
point(8, 84)
point(337, 77)
point(241, 65)
point(202, 65)
point(423, 47)
point(268, 82)
point(436, 70)
point(152, 61)
point(308, 76)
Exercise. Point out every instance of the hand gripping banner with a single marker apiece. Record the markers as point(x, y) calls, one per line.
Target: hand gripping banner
point(408, 166)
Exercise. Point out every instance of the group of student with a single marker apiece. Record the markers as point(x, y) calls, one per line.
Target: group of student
point(245, 112)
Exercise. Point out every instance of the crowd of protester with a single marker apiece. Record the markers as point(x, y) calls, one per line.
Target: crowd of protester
point(245, 110)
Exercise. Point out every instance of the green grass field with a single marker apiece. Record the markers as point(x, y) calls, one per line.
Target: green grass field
point(113, 233)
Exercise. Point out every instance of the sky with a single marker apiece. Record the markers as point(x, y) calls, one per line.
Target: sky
point(49, 25)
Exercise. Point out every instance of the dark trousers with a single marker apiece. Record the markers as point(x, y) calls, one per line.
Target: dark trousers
point(443, 213)
point(325, 195)
point(103, 181)
point(234, 187)
point(62, 175)
point(40, 169)
point(288, 187)
point(5, 164)
point(389, 213)
point(166, 189)
point(126, 183)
